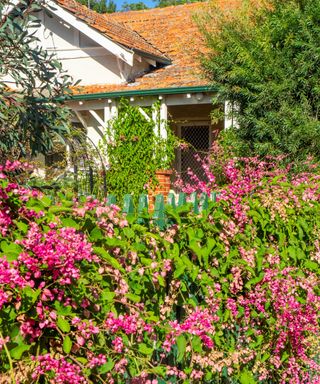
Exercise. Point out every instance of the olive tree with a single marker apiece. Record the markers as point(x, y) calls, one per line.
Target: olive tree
point(33, 85)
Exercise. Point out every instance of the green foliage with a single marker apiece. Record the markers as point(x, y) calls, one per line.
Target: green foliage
point(135, 151)
point(265, 61)
point(133, 6)
point(182, 302)
point(100, 6)
point(168, 3)
point(30, 113)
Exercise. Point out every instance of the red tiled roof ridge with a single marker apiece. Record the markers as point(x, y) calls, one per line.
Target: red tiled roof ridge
point(113, 29)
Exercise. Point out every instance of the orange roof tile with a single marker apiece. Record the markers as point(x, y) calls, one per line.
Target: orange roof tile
point(173, 31)
point(111, 28)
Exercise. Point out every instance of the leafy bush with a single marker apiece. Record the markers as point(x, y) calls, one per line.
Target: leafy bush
point(90, 296)
point(263, 57)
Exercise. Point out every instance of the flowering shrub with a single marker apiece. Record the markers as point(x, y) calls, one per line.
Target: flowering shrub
point(229, 296)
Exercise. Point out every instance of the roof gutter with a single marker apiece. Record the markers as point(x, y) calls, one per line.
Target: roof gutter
point(147, 92)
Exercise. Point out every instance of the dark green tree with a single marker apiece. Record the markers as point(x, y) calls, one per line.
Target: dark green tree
point(133, 6)
point(167, 3)
point(266, 61)
point(100, 6)
point(32, 86)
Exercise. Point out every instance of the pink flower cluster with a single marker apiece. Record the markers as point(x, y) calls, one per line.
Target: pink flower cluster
point(85, 330)
point(129, 324)
point(10, 278)
point(63, 371)
point(55, 253)
point(200, 323)
point(108, 216)
point(241, 177)
point(96, 361)
point(296, 319)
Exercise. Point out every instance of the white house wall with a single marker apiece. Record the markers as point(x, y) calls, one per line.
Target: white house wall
point(83, 58)
point(81, 62)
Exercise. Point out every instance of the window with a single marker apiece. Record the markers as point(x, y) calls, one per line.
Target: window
point(199, 137)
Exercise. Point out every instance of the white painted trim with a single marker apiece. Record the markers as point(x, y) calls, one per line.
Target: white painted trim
point(97, 117)
point(114, 110)
point(144, 114)
point(163, 119)
point(121, 68)
point(119, 51)
point(107, 113)
point(81, 119)
point(145, 101)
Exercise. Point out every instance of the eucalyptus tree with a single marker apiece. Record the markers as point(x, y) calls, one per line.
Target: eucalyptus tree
point(33, 85)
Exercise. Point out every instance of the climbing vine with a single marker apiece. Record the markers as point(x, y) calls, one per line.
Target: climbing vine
point(135, 151)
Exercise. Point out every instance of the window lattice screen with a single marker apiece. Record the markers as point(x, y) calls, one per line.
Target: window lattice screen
point(199, 138)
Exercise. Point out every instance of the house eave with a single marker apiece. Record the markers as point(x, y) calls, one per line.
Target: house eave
point(146, 92)
point(159, 59)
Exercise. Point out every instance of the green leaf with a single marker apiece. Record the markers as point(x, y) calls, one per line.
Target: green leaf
point(107, 296)
point(17, 352)
point(313, 266)
point(67, 344)
point(143, 348)
point(254, 281)
point(265, 356)
point(68, 222)
point(106, 367)
point(196, 344)
point(61, 309)
point(22, 226)
point(96, 234)
point(29, 297)
point(179, 271)
point(246, 377)
point(129, 233)
point(132, 297)
point(181, 344)
point(63, 324)
point(108, 258)
point(11, 250)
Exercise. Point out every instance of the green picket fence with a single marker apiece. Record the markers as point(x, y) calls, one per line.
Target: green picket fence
point(199, 204)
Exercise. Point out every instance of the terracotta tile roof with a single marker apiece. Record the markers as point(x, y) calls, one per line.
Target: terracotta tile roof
point(111, 28)
point(173, 31)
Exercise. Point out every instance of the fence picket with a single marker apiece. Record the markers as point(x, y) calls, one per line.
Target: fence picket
point(194, 201)
point(213, 196)
point(142, 208)
point(182, 200)
point(159, 212)
point(111, 200)
point(171, 200)
point(204, 203)
point(128, 207)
